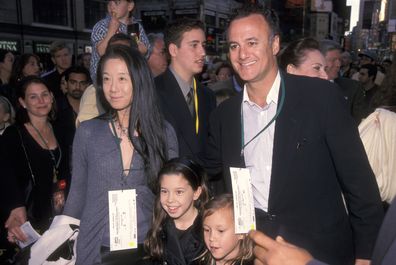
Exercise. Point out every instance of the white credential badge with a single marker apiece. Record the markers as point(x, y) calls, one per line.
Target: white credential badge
point(244, 216)
point(122, 219)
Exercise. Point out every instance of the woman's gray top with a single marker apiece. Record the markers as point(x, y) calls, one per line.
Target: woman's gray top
point(97, 169)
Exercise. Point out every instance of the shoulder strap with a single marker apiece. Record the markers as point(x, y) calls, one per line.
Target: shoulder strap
point(26, 155)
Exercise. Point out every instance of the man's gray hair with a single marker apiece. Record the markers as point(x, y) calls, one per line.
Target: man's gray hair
point(153, 37)
point(328, 45)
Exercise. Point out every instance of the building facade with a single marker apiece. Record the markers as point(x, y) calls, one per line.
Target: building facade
point(29, 26)
point(376, 29)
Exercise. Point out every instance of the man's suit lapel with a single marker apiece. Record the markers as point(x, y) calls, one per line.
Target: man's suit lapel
point(286, 142)
point(231, 138)
point(178, 108)
point(235, 132)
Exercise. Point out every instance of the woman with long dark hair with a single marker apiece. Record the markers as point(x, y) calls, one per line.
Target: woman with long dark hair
point(30, 160)
point(120, 151)
point(28, 64)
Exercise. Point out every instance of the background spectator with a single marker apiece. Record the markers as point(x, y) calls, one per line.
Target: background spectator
point(157, 55)
point(119, 19)
point(350, 89)
point(303, 57)
point(6, 62)
point(31, 162)
point(7, 114)
point(61, 56)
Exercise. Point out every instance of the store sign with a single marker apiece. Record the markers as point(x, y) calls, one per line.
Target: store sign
point(41, 47)
point(9, 45)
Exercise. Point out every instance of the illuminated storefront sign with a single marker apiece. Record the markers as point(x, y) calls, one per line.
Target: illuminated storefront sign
point(10, 45)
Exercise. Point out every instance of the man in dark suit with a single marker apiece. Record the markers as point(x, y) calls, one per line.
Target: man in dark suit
point(302, 149)
point(350, 89)
point(279, 252)
point(185, 103)
point(61, 56)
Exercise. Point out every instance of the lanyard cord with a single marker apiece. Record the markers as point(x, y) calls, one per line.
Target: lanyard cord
point(196, 107)
point(278, 111)
point(118, 142)
point(56, 163)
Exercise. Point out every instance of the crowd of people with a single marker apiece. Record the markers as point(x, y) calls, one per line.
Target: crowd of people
point(136, 142)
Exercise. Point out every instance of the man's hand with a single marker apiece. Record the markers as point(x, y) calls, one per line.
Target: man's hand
point(279, 252)
point(15, 220)
point(362, 262)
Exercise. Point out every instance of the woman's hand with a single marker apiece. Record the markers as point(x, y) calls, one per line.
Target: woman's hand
point(13, 225)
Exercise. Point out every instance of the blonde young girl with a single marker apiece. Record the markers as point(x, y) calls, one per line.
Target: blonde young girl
point(176, 234)
point(223, 246)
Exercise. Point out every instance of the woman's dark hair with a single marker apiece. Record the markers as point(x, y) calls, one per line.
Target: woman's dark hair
point(3, 53)
point(21, 113)
point(20, 63)
point(144, 116)
point(224, 65)
point(196, 177)
point(295, 52)
point(225, 201)
point(124, 38)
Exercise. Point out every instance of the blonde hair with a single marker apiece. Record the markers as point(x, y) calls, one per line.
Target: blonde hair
point(245, 245)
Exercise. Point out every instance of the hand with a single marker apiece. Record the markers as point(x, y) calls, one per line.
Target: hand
point(15, 220)
point(279, 252)
point(362, 262)
point(142, 48)
point(114, 23)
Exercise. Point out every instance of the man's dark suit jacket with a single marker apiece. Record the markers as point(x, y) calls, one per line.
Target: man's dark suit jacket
point(385, 247)
point(354, 95)
point(317, 157)
point(176, 112)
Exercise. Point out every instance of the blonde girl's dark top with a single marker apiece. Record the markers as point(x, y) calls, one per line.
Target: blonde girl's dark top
point(17, 177)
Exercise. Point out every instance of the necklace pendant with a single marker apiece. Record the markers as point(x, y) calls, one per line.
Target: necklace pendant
point(55, 175)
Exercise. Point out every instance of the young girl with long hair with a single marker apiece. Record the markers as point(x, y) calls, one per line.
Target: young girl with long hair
point(223, 246)
point(176, 233)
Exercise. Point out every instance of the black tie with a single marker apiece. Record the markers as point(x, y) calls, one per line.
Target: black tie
point(190, 101)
